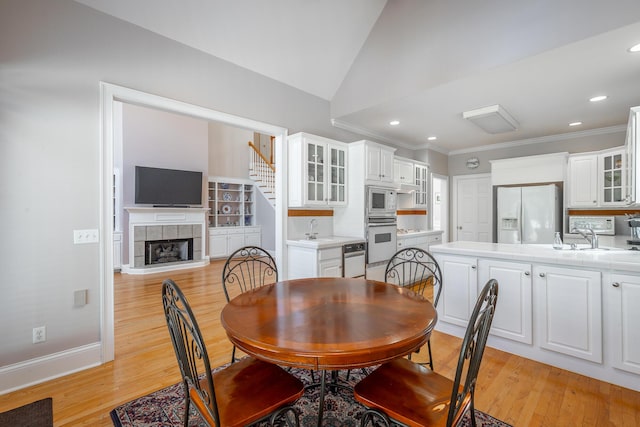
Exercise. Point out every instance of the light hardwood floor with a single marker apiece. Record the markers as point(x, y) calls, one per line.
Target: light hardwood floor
point(516, 390)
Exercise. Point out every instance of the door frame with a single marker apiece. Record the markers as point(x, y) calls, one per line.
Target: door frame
point(109, 94)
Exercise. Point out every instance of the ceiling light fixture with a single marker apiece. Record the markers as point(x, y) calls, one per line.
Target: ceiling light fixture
point(394, 123)
point(491, 119)
point(575, 123)
point(635, 49)
point(432, 138)
point(598, 98)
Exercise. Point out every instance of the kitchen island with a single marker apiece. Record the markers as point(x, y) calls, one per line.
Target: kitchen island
point(578, 310)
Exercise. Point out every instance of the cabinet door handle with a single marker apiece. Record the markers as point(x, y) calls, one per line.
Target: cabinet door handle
point(473, 267)
point(615, 284)
point(526, 273)
point(541, 274)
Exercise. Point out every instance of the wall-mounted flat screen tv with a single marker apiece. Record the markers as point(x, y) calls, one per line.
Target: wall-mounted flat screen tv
point(168, 187)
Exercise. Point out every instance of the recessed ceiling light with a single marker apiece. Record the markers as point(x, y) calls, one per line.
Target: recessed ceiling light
point(575, 124)
point(394, 123)
point(634, 49)
point(598, 98)
point(432, 138)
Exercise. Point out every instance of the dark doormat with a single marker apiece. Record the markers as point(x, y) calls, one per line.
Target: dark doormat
point(36, 414)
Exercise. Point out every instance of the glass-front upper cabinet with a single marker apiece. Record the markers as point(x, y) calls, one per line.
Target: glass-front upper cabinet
point(317, 171)
point(421, 194)
point(337, 175)
point(612, 178)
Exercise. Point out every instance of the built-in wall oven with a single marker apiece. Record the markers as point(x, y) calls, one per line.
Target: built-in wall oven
point(381, 238)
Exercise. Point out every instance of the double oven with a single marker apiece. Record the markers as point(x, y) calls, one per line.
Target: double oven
point(381, 224)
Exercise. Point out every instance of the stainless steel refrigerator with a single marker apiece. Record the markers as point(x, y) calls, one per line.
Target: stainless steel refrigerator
point(529, 214)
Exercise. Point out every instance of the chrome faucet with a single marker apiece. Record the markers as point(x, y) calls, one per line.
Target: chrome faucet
point(594, 237)
point(311, 235)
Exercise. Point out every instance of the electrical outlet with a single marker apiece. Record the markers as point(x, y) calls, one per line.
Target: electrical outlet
point(85, 236)
point(39, 334)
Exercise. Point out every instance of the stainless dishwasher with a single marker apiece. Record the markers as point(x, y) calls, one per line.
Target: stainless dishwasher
point(353, 262)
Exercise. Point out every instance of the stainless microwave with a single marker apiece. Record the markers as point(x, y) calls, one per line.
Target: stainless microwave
point(381, 201)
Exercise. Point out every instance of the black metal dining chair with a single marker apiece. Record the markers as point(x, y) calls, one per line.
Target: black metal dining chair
point(413, 395)
point(247, 268)
point(416, 269)
point(240, 394)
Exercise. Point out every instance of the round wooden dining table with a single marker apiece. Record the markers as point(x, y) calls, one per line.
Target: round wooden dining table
point(328, 323)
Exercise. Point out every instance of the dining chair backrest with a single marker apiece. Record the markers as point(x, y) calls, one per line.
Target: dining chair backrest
point(416, 269)
point(191, 352)
point(247, 268)
point(471, 352)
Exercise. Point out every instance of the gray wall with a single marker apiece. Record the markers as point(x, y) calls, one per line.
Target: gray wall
point(52, 57)
point(578, 143)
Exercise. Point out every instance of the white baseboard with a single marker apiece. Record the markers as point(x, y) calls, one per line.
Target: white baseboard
point(162, 268)
point(35, 371)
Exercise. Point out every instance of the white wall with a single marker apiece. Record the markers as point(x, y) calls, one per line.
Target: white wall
point(52, 57)
point(229, 151)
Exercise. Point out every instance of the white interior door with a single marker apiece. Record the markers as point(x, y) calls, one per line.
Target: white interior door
point(472, 209)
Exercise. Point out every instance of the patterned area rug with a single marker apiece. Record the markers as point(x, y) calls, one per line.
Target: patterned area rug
point(164, 408)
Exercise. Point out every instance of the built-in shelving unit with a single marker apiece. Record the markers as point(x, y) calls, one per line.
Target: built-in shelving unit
point(231, 202)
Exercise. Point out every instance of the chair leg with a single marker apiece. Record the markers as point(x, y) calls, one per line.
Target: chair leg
point(430, 357)
point(370, 415)
point(233, 354)
point(187, 403)
point(286, 410)
point(472, 411)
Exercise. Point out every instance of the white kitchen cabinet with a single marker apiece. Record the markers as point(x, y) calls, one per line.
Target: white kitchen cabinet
point(403, 172)
point(513, 317)
point(235, 240)
point(317, 171)
point(611, 178)
point(218, 243)
point(464, 277)
point(379, 163)
point(597, 179)
point(311, 262)
point(223, 241)
point(408, 241)
point(583, 181)
point(460, 288)
point(434, 239)
point(421, 195)
point(569, 311)
point(623, 294)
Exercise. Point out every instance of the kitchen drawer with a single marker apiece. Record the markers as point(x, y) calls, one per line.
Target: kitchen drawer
point(330, 253)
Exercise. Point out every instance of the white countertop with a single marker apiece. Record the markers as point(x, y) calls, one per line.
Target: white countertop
point(324, 242)
point(613, 259)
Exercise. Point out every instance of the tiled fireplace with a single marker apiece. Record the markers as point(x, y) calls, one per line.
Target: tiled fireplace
point(165, 239)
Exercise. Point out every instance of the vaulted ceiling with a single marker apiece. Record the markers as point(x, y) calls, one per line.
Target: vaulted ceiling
point(423, 63)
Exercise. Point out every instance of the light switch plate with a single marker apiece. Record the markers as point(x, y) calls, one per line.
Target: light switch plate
point(85, 236)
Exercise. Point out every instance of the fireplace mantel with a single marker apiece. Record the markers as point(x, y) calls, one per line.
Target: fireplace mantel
point(165, 223)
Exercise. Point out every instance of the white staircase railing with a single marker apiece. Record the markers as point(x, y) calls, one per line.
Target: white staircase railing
point(263, 174)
